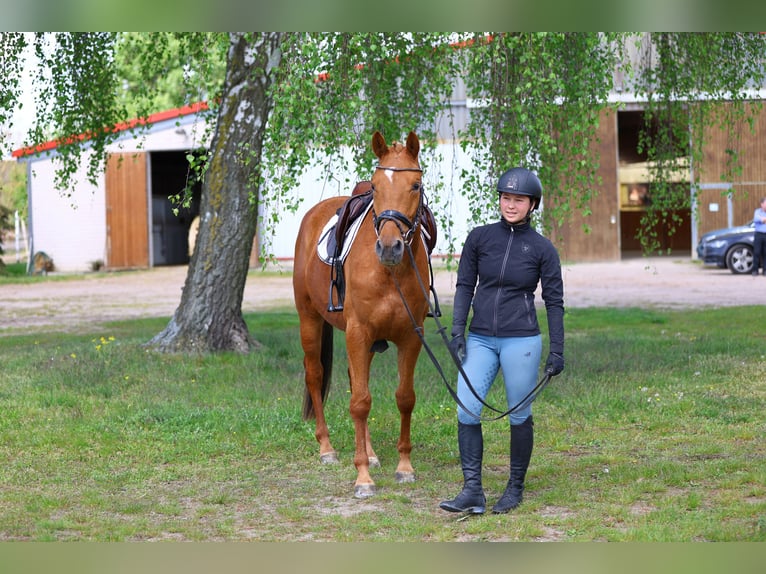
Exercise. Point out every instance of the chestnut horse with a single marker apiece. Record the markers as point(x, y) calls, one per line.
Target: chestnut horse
point(379, 279)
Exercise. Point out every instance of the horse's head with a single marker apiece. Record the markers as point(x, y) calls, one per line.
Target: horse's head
point(397, 196)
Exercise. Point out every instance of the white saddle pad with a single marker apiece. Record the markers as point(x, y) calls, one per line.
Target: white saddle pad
point(329, 230)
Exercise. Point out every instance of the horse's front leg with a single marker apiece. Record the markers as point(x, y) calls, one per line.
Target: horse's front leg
point(359, 360)
point(374, 461)
point(405, 399)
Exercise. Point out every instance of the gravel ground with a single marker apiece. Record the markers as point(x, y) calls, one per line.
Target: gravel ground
point(657, 282)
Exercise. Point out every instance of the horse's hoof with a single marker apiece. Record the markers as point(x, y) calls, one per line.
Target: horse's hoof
point(405, 477)
point(364, 491)
point(373, 462)
point(329, 458)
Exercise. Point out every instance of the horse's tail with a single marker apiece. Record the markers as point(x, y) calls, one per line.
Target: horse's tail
point(326, 360)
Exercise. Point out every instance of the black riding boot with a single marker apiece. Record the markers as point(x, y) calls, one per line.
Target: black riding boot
point(471, 499)
point(522, 440)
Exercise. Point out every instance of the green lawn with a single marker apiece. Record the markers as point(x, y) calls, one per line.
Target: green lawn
point(654, 432)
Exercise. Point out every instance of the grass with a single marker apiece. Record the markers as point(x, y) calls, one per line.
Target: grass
point(13, 272)
point(16, 274)
point(654, 432)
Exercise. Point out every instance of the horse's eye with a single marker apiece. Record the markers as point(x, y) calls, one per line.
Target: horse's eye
point(416, 186)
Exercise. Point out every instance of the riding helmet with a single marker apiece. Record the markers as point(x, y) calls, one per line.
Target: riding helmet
point(521, 181)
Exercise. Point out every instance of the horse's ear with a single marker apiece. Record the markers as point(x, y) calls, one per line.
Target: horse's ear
point(413, 144)
point(379, 144)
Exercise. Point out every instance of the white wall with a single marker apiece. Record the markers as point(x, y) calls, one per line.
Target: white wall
point(182, 133)
point(70, 229)
point(71, 226)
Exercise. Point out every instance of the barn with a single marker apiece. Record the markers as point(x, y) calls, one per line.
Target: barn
point(126, 221)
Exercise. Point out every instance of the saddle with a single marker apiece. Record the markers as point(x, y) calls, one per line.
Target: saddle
point(354, 207)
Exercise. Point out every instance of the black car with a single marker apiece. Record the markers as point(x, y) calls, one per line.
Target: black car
point(730, 248)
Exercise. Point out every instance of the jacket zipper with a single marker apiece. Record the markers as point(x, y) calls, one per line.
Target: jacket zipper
point(495, 318)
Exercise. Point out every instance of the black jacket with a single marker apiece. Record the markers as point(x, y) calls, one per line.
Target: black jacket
point(508, 261)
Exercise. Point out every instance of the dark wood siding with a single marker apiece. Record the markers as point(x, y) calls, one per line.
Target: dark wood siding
point(747, 186)
point(601, 242)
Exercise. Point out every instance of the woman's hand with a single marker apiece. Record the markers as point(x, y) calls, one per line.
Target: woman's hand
point(457, 347)
point(555, 364)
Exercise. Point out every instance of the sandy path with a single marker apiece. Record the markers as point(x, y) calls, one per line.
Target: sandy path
point(660, 282)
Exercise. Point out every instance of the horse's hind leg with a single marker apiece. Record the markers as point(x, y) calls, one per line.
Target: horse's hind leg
point(316, 337)
point(371, 456)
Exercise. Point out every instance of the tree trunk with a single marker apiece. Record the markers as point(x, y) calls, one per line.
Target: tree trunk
point(209, 317)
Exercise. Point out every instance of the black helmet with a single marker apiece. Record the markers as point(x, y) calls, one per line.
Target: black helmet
point(521, 181)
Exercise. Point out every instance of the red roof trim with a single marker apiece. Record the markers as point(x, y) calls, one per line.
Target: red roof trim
point(123, 126)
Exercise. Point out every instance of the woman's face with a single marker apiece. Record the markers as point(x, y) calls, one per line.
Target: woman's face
point(515, 208)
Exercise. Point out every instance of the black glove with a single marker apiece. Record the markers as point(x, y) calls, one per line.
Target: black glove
point(555, 364)
point(457, 347)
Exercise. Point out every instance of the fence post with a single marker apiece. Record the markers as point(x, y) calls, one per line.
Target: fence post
point(17, 230)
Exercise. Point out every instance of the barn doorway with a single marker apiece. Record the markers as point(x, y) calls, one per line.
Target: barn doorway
point(169, 173)
point(635, 192)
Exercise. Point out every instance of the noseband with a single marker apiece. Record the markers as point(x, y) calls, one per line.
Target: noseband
point(398, 217)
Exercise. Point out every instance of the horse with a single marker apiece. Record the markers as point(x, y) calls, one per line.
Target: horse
point(387, 278)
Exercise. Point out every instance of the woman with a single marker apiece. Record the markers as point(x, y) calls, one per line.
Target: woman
point(500, 267)
point(759, 238)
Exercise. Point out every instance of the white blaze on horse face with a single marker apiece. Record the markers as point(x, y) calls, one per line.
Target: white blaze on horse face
point(389, 174)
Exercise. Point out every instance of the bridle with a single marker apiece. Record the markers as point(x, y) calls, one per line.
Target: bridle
point(408, 231)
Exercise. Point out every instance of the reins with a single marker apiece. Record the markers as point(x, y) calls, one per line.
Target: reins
point(531, 396)
point(399, 218)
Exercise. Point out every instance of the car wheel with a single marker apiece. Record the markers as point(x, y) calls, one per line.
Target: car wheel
point(739, 259)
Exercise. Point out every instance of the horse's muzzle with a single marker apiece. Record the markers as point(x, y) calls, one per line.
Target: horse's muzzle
point(390, 254)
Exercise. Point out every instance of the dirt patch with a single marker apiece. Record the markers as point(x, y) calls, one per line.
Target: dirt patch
point(658, 282)
point(70, 305)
